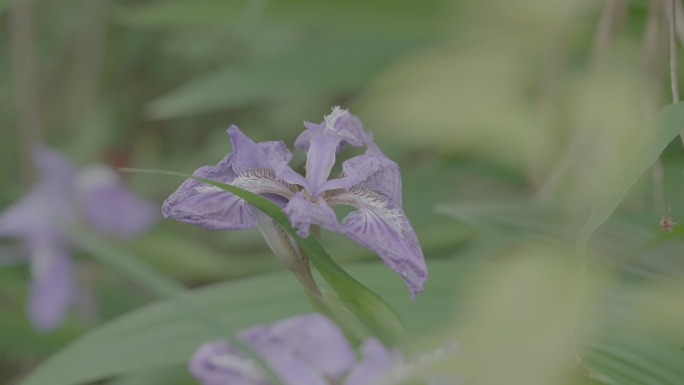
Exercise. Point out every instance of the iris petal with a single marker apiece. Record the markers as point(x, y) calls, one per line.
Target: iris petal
point(372, 170)
point(218, 363)
point(250, 166)
point(322, 141)
point(203, 205)
point(377, 362)
point(51, 285)
point(57, 172)
point(109, 207)
point(302, 347)
point(303, 213)
point(307, 349)
point(340, 122)
point(320, 160)
point(384, 229)
point(246, 153)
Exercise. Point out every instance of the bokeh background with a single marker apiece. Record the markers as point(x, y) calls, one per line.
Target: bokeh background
point(506, 118)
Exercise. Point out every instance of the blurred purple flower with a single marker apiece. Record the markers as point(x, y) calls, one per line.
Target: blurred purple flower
point(370, 182)
point(302, 350)
point(93, 197)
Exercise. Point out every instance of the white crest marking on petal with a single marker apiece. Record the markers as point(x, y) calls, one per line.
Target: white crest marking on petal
point(331, 119)
point(207, 189)
point(263, 181)
point(239, 364)
point(370, 203)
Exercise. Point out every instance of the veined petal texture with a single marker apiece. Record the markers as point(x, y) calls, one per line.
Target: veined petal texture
point(251, 166)
point(249, 154)
point(207, 206)
point(372, 170)
point(383, 228)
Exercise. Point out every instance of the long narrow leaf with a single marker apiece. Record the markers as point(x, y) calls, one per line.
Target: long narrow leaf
point(647, 147)
point(164, 287)
point(161, 334)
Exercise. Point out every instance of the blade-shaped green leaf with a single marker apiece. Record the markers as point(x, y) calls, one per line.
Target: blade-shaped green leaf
point(169, 253)
point(521, 218)
point(329, 305)
point(331, 67)
point(176, 375)
point(377, 17)
point(647, 147)
point(620, 242)
point(162, 334)
point(633, 359)
point(165, 288)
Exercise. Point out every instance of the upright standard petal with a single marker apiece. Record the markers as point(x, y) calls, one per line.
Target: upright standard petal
point(380, 226)
point(109, 207)
point(249, 154)
point(320, 159)
point(322, 141)
point(218, 363)
point(341, 122)
point(52, 288)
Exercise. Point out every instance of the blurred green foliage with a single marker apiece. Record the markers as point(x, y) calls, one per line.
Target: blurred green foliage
point(506, 117)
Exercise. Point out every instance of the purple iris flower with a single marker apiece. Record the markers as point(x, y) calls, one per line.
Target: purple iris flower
point(370, 182)
point(302, 350)
point(93, 197)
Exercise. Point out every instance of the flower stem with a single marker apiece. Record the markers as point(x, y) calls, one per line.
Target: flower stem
point(305, 277)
